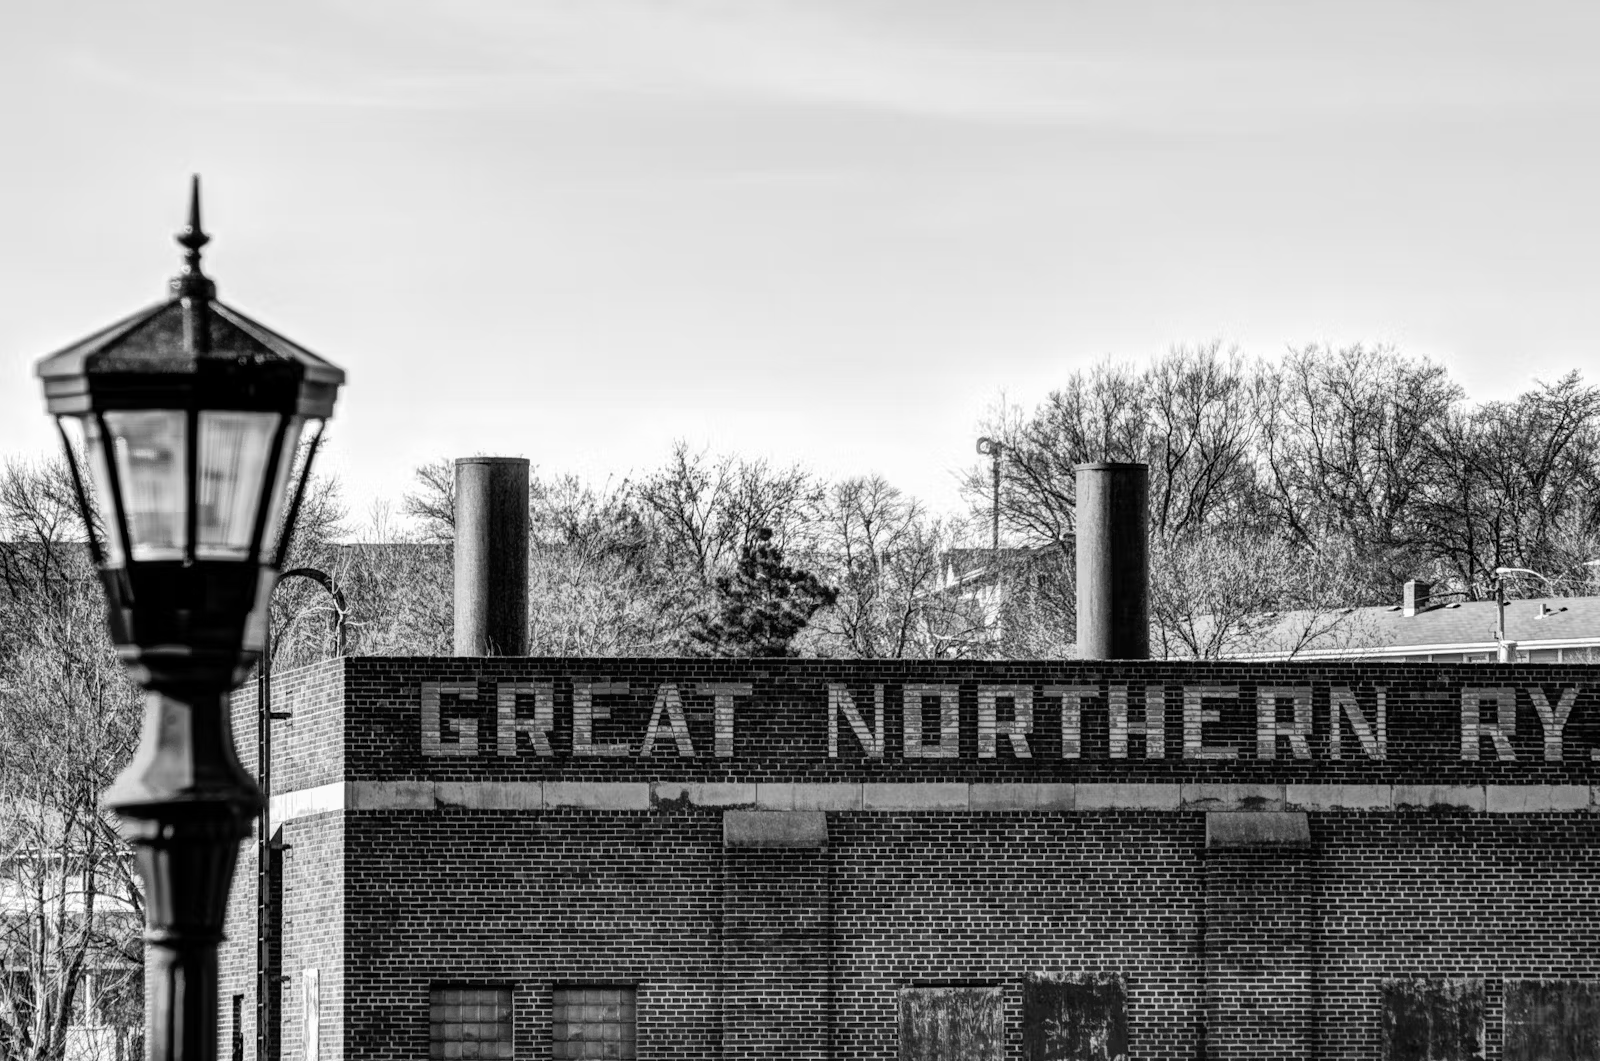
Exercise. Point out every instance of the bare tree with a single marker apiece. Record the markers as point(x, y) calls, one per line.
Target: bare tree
point(1214, 596)
point(432, 502)
point(1098, 415)
point(399, 589)
point(596, 585)
point(71, 954)
point(885, 556)
point(708, 510)
point(301, 613)
point(1349, 442)
point(1513, 484)
point(1199, 440)
point(1188, 415)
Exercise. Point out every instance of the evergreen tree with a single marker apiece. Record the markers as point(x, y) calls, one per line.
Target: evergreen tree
point(760, 607)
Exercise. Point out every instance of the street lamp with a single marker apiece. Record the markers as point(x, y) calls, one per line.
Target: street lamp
point(995, 450)
point(1500, 574)
point(190, 414)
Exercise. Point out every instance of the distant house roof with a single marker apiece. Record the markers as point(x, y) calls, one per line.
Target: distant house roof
point(966, 569)
point(1547, 629)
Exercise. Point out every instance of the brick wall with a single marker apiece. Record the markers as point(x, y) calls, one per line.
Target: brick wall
point(308, 753)
point(532, 900)
point(497, 842)
point(777, 932)
point(1259, 951)
point(992, 898)
point(1496, 897)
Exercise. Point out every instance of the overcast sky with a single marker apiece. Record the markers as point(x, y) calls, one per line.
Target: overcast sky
point(828, 232)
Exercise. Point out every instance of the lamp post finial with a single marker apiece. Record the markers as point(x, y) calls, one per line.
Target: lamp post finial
point(193, 237)
point(192, 285)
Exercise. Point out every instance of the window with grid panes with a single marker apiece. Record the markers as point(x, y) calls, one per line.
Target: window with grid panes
point(467, 1022)
point(593, 1022)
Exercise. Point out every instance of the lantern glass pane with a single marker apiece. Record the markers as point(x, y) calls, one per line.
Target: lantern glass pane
point(85, 435)
point(232, 458)
point(291, 442)
point(148, 448)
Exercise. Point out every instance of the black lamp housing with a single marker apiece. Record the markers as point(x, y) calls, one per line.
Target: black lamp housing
point(190, 415)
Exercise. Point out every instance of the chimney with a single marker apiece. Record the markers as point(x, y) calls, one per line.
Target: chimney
point(1416, 598)
point(1113, 548)
point(491, 556)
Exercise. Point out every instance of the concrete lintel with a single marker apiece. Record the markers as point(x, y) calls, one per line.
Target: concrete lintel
point(1231, 797)
point(931, 795)
point(705, 793)
point(489, 795)
point(824, 796)
point(1249, 829)
point(1024, 797)
point(808, 795)
point(1128, 797)
point(598, 795)
point(1439, 797)
point(391, 795)
point(1339, 797)
point(788, 829)
point(1535, 799)
point(302, 803)
point(1057, 796)
point(1004, 797)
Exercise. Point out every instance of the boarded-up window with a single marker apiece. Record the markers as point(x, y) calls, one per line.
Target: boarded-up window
point(1429, 1018)
point(952, 1023)
point(469, 1022)
point(1077, 1019)
point(592, 1021)
point(1552, 1020)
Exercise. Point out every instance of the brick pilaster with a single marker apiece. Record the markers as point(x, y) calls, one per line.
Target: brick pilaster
point(777, 996)
point(1259, 939)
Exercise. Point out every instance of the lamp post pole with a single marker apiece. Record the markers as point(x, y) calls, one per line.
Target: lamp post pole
point(266, 987)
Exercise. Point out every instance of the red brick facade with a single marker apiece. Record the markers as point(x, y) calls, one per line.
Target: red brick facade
point(807, 840)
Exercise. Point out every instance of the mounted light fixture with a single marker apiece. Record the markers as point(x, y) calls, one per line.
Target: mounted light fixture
point(189, 415)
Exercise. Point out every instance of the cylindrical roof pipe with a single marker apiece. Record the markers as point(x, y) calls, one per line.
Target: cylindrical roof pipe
point(1113, 553)
point(491, 556)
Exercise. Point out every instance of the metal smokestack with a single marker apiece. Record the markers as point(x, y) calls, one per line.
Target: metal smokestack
point(1113, 547)
point(491, 556)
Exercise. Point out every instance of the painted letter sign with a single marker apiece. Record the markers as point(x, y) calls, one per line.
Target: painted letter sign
point(1279, 721)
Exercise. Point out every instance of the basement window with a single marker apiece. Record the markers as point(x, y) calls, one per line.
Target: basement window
point(1551, 1020)
point(1074, 1018)
point(594, 1021)
point(1431, 1018)
point(469, 1021)
point(957, 1022)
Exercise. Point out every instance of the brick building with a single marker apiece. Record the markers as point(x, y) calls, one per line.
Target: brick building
point(540, 858)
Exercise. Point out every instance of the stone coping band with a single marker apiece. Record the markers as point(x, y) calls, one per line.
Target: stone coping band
point(953, 796)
